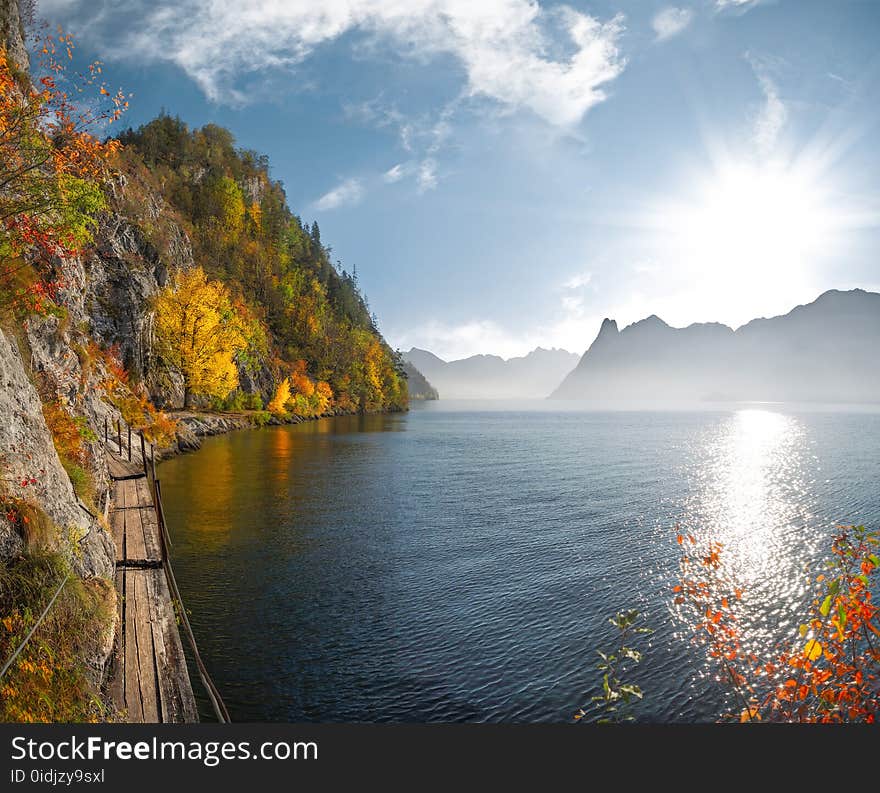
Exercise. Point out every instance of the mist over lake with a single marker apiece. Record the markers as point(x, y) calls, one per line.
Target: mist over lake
point(459, 562)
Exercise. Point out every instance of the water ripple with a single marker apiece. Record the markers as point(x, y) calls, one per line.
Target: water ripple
point(460, 565)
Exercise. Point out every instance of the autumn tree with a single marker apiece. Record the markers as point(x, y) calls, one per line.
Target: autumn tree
point(308, 397)
point(198, 334)
point(229, 207)
point(244, 234)
point(323, 397)
point(52, 168)
point(278, 404)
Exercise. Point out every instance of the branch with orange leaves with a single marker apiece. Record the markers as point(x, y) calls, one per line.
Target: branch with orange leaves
point(830, 672)
point(52, 171)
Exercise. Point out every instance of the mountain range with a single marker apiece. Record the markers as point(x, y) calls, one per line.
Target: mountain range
point(532, 376)
point(825, 351)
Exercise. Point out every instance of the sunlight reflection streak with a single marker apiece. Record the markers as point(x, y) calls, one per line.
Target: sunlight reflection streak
point(749, 497)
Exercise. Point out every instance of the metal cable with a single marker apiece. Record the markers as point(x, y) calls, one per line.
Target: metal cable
point(33, 630)
point(213, 693)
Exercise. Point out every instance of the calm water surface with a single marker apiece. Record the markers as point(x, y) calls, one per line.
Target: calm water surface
point(459, 562)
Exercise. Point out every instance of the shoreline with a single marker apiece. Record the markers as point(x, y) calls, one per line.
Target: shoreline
point(193, 425)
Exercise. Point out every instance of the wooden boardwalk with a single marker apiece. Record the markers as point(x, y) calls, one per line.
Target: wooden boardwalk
point(150, 681)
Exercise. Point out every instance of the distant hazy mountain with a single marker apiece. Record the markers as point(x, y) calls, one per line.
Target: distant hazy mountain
point(419, 387)
point(826, 351)
point(533, 376)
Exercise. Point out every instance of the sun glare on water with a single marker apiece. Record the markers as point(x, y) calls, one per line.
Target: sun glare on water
point(750, 499)
point(757, 445)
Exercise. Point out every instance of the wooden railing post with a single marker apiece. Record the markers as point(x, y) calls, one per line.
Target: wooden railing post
point(129, 442)
point(143, 452)
point(119, 436)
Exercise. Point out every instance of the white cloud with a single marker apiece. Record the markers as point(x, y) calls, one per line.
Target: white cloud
point(394, 174)
point(847, 85)
point(516, 53)
point(573, 304)
point(743, 5)
point(427, 175)
point(671, 21)
point(573, 326)
point(578, 281)
point(422, 138)
point(423, 172)
point(573, 329)
point(49, 7)
point(474, 337)
point(772, 116)
point(346, 193)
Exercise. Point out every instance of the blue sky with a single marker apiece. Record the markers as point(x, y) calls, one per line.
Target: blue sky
point(506, 173)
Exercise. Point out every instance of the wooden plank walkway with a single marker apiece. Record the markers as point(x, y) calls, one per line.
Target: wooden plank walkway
point(150, 682)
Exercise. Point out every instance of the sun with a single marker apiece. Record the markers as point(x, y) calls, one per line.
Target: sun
point(768, 219)
point(744, 233)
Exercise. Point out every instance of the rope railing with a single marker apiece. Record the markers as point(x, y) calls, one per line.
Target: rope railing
point(210, 688)
point(149, 466)
point(149, 469)
point(33, 629)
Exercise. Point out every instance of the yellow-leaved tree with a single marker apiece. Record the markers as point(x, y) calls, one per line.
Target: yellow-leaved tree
point(323, 395)
point(198, 334)
point(278, 405)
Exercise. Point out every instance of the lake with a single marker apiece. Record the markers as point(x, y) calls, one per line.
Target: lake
point(459, 562)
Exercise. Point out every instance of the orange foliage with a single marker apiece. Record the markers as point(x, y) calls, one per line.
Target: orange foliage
point(278, 405)
point(300, 382)
point(134, 405)
point(830, 673)
point(48, 682)
point(118, 374)
point(67, 432)
point(51, 165)
point(324, 396)
point(309, 397)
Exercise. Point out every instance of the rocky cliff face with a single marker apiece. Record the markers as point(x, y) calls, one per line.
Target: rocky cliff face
point(105, 304)
point(39, 363)
point(122, 274)
point(138, 244)
point(33, 472)
point(44, 362)
point(12, 34)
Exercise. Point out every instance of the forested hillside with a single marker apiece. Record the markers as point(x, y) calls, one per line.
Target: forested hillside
point(141, 273)
point(298, 313)
point(418, 385)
